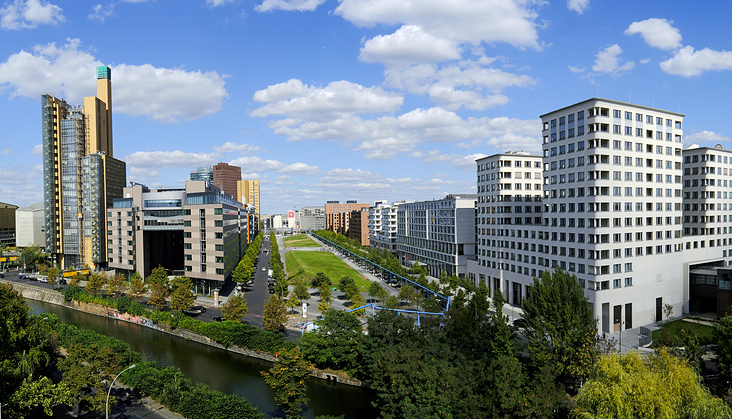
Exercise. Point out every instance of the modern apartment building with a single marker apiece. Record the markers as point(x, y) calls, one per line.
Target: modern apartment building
point(203, 173)
point(337, 215)
point(509, 224)
point(225, 177)
point(707, 240)
point(197, 230)
point(29, 226)
point(383, 226)
point(438, 233)
point(80, 175)
point(247, 192)
point(359, 226)
point(613, 207)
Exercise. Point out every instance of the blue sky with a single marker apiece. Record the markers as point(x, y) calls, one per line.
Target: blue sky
point(348, 99)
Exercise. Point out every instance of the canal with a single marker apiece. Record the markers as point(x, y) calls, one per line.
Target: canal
point(224, 371)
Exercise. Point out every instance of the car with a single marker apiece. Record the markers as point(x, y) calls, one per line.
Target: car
point(195, 310)
point(32, 278)
point(218, 319)
point(264, 268)
point(2, 276)
point(22, 276)
point(43, 279)
point(62, 281)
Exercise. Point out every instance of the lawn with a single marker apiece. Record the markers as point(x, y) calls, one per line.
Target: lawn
point(704, 332)
point(326, 262)
point(299, 240)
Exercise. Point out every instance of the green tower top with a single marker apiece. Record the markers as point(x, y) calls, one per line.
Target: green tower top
point(104, 72)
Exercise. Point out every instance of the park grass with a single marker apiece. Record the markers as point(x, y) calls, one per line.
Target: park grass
point(704, 332)
point(299, 240)
point(313, 262)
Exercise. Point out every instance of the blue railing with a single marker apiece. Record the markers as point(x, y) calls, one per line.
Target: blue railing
point(383, 270)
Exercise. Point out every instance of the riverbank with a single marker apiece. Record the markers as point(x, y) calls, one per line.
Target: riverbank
point(57, 298)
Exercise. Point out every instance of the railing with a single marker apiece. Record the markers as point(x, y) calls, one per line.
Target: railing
point(646, 338)
point(374, 307)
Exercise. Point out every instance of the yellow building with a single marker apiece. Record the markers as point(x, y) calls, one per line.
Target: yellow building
point(248, 192)
point(80, 175)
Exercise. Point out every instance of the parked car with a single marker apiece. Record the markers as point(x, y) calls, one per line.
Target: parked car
point(195, 310)
point(32, 278)
point(43, 279)
point(22, 276)
point(2, 276)
point(264, 268)
point(218, 319)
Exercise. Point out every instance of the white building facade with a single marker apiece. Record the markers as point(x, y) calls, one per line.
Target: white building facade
point(29, 226)
point(383, 226)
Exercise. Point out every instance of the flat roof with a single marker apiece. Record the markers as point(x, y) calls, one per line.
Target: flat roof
point(594, 99)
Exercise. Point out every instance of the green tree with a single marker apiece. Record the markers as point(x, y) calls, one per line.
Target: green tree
point(94, 283)
point(88, 368)
point(301, 290)
point(182, 297)
point(321, 280)
point(287, 378)
point(292, 302)
point(243, 271)
point(377, 292)
point(407, 293)
point(501, 343)
point(53, 276)
point(274, 316)
point(391, 302)
point(348, 286)
point(158, 276)
point(561, 328)
point(723, 341)
point(116, 285)
point(660, 386)
point(358, 300)
point(31, 256)
point(235, 308)
point(137, 286)
point(158, 295)
point(334, 343)
point(326, 295)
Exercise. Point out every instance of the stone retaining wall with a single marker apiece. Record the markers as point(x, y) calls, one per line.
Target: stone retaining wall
point(37, 293)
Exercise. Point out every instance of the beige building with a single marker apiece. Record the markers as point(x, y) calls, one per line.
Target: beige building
point(7, 224)
point(247, 192)
point(337, 215)
point(359, 226)
point(80, 175)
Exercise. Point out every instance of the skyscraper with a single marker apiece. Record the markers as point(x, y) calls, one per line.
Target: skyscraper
point(248, 192)
point(80, 175)
point(203, 173)
point(225, 177)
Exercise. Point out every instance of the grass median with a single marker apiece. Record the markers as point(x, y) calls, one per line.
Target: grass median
point(313, 262)
point(299, 240)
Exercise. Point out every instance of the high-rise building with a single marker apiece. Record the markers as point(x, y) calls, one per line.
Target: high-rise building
point(508, 221)
point(358, 226)
point(80, 175)
point(247, 192)
point(613, 207)
point(438, 233)
point(312, 218)
point(383, 226)
point(203, 173)
point(226, 178)
point(337, 215)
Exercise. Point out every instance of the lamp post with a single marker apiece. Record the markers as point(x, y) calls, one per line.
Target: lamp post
point(111, 385)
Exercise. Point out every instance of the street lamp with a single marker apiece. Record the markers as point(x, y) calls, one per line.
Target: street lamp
point(111, 385)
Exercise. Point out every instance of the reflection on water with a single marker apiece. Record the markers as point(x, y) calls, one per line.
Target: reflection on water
point(224, 371)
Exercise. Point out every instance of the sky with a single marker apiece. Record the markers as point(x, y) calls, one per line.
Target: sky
point(349, 99)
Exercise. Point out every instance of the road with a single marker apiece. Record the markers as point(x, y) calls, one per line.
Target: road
point(258, 293)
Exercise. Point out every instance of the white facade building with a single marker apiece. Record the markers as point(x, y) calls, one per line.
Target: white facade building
point(383, 226)
point(509, 225)
point(613, 207)
point(30, 226)
point(439, 233)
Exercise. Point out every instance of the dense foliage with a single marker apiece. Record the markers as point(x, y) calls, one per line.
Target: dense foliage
point(287, 378)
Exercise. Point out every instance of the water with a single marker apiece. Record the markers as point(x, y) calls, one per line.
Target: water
point(222, 370)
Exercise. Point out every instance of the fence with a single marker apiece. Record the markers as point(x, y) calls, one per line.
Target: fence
point(646, 338)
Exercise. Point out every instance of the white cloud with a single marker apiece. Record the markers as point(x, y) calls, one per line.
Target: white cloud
point(37, 150)
point(216, 3)
point(101, 13)
point(657, 33)
point(687, 63)
point(29, 14)
point(408, 45)
point(645, 61)
point(295, 99)
point(578, 6)
point(705, 137)
point(164, 95)
point(346, 175)
point(142, 172)
point(168, 159)
point(289, 5)
point(6, 151)
point(459, 21)
point(576, 69)
point(257, 164)
point(229, 146)
point(608, 61)
point(431, 156)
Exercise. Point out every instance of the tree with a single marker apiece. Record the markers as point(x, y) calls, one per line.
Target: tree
point(661, 386)
point(137, 286)
point(53, 276)
point(116, 284)
point(243, 271)
point(321, 280)
point(561, 328)
point(391, 302)
point(293, 301)
point(287, 378)
point(182, 297)
point(274, 316)
point(326, 297)
point(668, 311)
point(94, 283)
point(723, 341)
point(334, 343)
point(357, 300)
point(158, 295)
point(301, 290)
point(158, 276)
point(376, 291)
point(501, 343)
point(235, 308)
point(348, 286)
point(31, 256)
point(407, 293)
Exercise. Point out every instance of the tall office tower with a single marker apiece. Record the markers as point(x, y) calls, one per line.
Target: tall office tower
point(439, 234)
point(509, 224)
point(247, 191)
point(226, 177)
point(80, 175)
point(707, 239)
point(203, 173)
point(613, 207)
point(337, 215)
